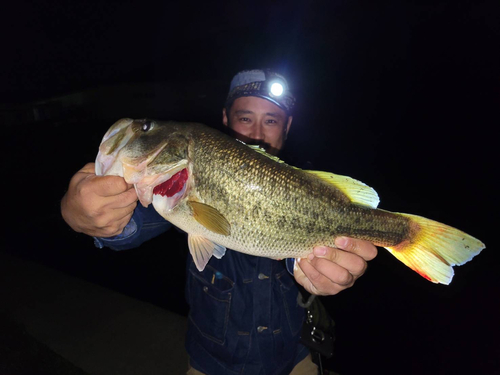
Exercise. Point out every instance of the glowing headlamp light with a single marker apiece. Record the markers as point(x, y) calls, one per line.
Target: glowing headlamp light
point(277, 89)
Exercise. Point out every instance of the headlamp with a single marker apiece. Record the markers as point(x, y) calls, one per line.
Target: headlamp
point(277, 89)
point(263, 84)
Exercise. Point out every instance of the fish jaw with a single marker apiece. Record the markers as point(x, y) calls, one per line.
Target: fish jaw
point(118, 136)
point(136, 169)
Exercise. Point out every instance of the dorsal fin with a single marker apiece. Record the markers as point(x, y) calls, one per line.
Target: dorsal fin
point(261, 151)
point(356, 191)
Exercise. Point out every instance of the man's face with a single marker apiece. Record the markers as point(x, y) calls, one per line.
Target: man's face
point(255, 120)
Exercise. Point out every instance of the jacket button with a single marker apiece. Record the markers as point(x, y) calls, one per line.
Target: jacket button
point(261, 329)
point(262, 276)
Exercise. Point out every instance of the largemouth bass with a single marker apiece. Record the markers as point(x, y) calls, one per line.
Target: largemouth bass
point(226, 194)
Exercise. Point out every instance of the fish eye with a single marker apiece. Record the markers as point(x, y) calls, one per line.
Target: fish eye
point(147, 126)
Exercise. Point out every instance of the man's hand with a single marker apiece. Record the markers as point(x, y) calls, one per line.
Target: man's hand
point(98, 206)
point(328, 271)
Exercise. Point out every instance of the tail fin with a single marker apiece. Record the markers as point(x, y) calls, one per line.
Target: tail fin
point(433, 248)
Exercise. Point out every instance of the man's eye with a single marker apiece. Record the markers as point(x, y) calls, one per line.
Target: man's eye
point(271, 122)
point(244, 119)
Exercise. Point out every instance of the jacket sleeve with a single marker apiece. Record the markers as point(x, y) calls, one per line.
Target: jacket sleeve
point(145, 224)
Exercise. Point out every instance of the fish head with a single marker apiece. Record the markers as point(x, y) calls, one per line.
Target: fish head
point(148, 154)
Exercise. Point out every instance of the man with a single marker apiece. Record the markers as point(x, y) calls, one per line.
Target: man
point(244, 317)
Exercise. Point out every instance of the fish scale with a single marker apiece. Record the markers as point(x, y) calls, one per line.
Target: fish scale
point(240, 198)
point(263, 181)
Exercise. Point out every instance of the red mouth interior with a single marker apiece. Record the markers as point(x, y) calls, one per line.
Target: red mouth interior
point(173, 185)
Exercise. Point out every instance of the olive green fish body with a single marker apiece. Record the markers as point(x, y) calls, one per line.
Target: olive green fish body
point(225, 194)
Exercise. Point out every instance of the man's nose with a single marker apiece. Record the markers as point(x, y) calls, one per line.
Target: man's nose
point(257, 133)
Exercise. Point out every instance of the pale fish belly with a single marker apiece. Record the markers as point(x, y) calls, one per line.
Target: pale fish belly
point(248, 239)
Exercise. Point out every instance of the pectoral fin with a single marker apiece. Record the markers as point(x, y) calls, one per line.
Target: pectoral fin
point(202, 250)
point(210, 218)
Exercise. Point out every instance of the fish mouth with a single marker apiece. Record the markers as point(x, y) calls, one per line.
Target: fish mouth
point(112, 143)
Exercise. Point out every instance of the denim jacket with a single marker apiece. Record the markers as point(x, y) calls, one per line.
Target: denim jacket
point(244, 317)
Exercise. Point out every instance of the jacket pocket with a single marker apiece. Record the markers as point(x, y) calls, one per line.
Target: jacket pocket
point(210, 295)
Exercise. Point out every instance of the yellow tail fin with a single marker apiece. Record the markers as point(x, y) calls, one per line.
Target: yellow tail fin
point(433, 248)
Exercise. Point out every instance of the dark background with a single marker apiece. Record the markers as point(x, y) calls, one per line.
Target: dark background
point(403, 95)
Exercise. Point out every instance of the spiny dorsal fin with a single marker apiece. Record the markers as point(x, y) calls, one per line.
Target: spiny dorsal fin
point(210, 218)
point(261, 151)
point(357, 191)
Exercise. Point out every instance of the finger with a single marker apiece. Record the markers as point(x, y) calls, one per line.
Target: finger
point(334, 272)
point(113, 229)
point(112, 223)
point(315, 282)
point(121, 212)
point(88, 168)
point(108, 186)
point(353, 263)
point(301, 277)
point(364, 249)
point(82, 175)
point(126, 199)
point(119, 206)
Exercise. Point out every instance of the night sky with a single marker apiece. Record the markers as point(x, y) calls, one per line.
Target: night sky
point(402, 95)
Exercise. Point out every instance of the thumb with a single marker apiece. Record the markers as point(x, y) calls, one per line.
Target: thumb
point(88, 168)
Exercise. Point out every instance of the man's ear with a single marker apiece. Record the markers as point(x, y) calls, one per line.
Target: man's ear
point(224, 117)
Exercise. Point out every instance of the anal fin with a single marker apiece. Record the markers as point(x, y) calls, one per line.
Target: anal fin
point(202, 250)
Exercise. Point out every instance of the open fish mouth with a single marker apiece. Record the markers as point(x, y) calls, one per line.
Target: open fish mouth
point(115, 139)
